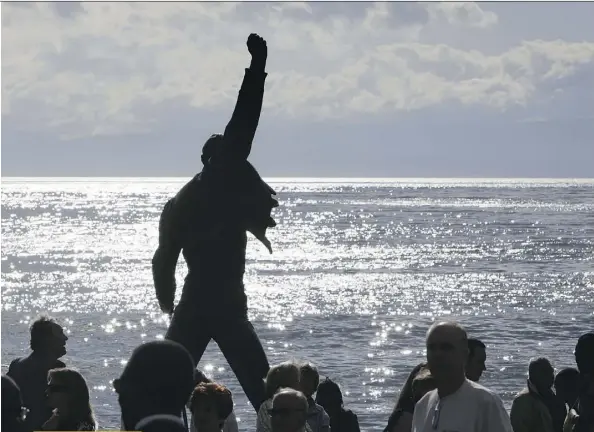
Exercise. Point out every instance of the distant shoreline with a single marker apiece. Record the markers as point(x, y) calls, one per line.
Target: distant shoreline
point(319, 179)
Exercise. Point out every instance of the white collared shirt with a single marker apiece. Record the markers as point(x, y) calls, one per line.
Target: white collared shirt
point(472, 408)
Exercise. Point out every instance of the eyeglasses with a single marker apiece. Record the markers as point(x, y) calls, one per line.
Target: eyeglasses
point(283, 412)
point(436, 414)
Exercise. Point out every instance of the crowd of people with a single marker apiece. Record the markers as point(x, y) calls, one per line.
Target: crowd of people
point(208, 221)
point(160, 382)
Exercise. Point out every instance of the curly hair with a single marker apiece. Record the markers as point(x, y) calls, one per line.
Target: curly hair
point(41, 330)
point(215, 394)
point(286, 374)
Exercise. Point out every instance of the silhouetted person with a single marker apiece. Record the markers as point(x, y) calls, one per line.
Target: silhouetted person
point(457, 403)
point(405, 402)
point(208, 220)
point(231, 420)
point(401, 420)
point(567, 386)
point(317, 418)
point(68, 395)
point(581, 416)
point(537, 408)
point(211, 404)
point(158, 379)
point(48, 345)
point(329, 396)
point(476, 359)
point(13, 411)
point(288, 412)
point(161, 423)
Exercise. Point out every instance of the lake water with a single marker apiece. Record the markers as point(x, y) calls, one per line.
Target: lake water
point(360, 270)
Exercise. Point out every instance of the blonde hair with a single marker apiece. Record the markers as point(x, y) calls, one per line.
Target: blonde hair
point(282, 375)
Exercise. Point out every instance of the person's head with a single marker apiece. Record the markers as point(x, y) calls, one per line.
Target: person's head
point(289, 411)
point(210, 404)
point(67, 391)
point(161, 423)
point(584, 354)
point(158, 379)
point(13, 411)
point(210, 147)
point(283, 375)
point(48, 338)
point(309, 379)
point(567, 385)
point(541, 373)
point(329, 396)
point(422, 384)
point(447, 351)
point(477, 356)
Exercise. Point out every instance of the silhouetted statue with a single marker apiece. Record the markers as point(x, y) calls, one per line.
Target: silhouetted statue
point(208, 220)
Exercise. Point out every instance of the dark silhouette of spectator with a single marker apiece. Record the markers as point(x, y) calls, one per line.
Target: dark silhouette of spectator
point(48, 345)
point(211, 404)
point(68, 395)
point(231, 420)
point(158, 379)
point(13, 411)
point(581, 416)
point(457, 402)
point(161, 423)
point(208, 221)
point(284, 375)
point(401, 420)
point(567, 386)
point(405, 402)
point(476, 359)
point(537, 408)
point(317, 418)
point(288, 412)
point(329, 396)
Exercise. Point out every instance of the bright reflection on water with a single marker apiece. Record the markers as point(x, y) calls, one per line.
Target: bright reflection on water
point(359, 272)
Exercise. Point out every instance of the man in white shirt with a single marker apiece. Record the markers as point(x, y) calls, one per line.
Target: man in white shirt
point(458, 404)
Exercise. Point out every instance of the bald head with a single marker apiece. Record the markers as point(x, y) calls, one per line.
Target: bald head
point(447, 351)
point(289, 411)
point(450, 327)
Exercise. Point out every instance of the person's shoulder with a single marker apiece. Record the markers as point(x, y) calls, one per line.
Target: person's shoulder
point(482, 393)
point(266, 405)
point(13, 367)
point(320, 409)
point(524, 394)
point(15, 362)
point(349, 414)
point(426, 399)
point(418, 368)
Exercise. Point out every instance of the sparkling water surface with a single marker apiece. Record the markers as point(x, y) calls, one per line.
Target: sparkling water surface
point(360, 269)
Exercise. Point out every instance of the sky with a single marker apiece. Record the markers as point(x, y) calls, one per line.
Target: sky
point(357, 89)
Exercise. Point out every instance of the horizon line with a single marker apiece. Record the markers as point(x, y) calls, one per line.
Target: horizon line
point(301, 179)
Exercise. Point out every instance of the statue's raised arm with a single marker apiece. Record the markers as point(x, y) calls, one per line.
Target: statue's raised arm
point(236, 142)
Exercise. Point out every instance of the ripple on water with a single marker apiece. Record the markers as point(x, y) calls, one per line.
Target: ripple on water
point(359, 273)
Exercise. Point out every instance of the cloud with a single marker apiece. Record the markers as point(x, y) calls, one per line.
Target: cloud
point(466, 14)
point(105, 68)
